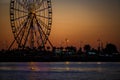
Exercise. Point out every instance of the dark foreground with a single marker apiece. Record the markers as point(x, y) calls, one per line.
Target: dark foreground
point(59, 59)
point(48, 56)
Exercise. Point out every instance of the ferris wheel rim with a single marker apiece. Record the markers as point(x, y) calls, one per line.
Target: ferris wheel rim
point(14, 11)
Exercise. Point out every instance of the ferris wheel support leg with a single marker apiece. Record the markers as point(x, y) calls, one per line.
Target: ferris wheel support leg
point(15, 39)
point(50, 43)
point(43, 32)
point(11, 45)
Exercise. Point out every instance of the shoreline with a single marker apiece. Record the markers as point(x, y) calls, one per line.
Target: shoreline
point(60, 59)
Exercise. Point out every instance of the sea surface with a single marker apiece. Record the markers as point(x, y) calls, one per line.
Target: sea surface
point(60, 71)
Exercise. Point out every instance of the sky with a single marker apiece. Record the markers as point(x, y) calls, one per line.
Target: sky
point(80, 21)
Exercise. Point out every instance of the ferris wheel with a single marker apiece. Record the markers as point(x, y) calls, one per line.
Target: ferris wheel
point(31, 22)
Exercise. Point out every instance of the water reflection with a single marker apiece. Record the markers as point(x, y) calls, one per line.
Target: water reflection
point(78, 67)
point(33, 66)
point(31, 76)
point(58, 71)
point(37, 71)
point(58, 66)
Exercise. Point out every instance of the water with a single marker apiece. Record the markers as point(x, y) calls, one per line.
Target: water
point(60, 71)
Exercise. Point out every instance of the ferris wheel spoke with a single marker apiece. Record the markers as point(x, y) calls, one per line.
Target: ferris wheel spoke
point(43, 16)
point(23, 32)
point(21, 17)
point(46, 37)
point(44, 25)
point(21, 37)
point(21, 24)
point(26, 37)
point(41, 10)
point(19, 32)
point(21, 4)
point(35, 31)
point(15, 39)
point(39, 30)
point(41, 37)
point(40, 25)
point(39, 3)
point(30, 28)
point(20, 10)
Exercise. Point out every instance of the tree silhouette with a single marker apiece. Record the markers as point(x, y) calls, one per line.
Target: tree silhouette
point(87, 48)
point(80, 50)
point(111, 48)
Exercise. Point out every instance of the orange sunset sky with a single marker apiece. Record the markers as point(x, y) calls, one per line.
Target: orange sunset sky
point(79, 21)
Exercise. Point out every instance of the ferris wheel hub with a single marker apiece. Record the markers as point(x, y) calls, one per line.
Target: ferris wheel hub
point(32, 8)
